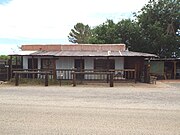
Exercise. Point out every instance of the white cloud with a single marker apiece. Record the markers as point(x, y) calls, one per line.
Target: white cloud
point(8, 49)
point(53, 19)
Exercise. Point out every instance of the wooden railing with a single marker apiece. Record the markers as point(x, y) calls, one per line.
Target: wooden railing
point(27, 75)
point(124, 74)
point(119, 74)
point(66, 74)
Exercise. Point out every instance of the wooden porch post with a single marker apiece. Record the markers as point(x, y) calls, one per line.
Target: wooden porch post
point(33, 62)
point(10, 68)
point(74, 79)
point(54, 69)
point(33, 75)
point(147, 73)
point(111, 80)
point(16, 61)
point(22, 62)
point(174, 69)
point(16, 79)
point(136, 72)
point(46, 79)
point(107, 69)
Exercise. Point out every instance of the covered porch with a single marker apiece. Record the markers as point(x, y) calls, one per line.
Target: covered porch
point(58, 68)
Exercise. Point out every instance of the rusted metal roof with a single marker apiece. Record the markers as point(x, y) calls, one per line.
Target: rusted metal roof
point(91, 54)
point(86, 50)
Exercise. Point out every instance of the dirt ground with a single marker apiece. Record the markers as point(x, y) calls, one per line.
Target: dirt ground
point(126, 109)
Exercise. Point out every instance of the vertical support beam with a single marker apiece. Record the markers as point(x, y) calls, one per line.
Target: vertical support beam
point(33, 75)
point(7, 70)
point(16, 61)
point(16, 79)
point(22, 62)
point(107, 69)
point(148, 73)
point(46, 79)
point(175, 69)
point(135, 76)
point(60, 80)
point(135, 73)
point(10, 68)
point(54, 69)
point(81, 69)
point(111, 80)
point(74, 79)
point(33, 62)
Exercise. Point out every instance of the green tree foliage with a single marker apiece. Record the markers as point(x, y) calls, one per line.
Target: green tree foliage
point(4, 57)
point(105, 34)
point(80, 34)
point(153, 30)
point(159, 21)
point(129, 32)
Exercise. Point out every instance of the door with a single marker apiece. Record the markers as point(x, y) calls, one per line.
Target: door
point(32, 64)
point(79, 65)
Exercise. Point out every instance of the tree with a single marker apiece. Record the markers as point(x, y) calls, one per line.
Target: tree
point(4, 57)
point(105, 34)
point(159, 22)
point(154, 30)
point(80, 34)
point(129, 32)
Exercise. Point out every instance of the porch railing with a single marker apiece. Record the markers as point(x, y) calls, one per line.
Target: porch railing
point(66, 74)
point(27, 75)
point(119, 74)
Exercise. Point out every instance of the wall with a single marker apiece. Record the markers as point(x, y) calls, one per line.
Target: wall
point(78, 47)
point(25, 62)
point(119, 62)
point(136, 63)
point(65, 63)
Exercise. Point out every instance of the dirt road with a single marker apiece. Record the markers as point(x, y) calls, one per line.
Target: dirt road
point(136, 109)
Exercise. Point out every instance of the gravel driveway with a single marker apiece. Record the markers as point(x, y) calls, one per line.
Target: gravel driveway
point(136, 109)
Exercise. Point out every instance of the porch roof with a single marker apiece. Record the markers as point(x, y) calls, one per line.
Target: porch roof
point(87, 54)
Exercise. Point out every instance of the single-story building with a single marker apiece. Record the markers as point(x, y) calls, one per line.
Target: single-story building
point(62, 60)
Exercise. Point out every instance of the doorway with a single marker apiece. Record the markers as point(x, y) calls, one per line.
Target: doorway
point(32, 65)
point(79, 65)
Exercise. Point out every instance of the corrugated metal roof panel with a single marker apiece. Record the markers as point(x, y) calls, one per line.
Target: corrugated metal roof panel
point(86, 53)
point(23, 53)
point(45, 53)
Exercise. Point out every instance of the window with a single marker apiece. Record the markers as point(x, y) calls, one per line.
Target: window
point(46, 64)
point(104, 64)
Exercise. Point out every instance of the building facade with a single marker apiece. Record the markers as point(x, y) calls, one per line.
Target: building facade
point(63, 59)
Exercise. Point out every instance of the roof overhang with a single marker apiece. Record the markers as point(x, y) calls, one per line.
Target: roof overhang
point(22, 53)
point(85, 54)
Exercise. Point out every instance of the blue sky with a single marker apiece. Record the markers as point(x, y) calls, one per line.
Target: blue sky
point(4, 1)
point(50, 21)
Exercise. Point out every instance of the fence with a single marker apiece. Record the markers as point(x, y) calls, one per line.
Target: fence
point(119, 74)
point(3, 70)
point(86, 74)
